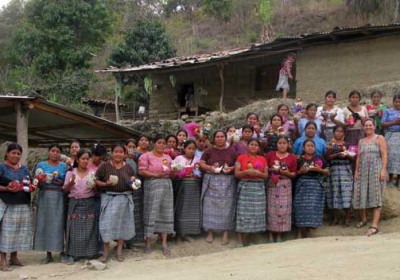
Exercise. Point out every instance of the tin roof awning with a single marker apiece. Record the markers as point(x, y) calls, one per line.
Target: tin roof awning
point(49, 122)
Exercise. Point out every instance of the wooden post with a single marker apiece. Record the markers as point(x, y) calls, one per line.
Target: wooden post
point(22, 129)
point(118, 89)
point(221, 68)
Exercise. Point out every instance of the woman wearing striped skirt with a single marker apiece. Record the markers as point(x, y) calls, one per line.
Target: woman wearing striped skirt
point(279, 189)
point(354, 115)
point(116, 213)
point(340, 180)
point(391, 123)
point(158, 214)
point(82, 228)
point(187, 206)
point(309, 191)
point(218, 192)
point(50, 218)
point(15, 210)
point(251, 169)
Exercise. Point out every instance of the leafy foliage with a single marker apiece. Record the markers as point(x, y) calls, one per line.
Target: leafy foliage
point(221, 9)
point(56, 44)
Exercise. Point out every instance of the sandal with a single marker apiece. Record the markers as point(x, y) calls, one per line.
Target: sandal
point(372, 230)
point(120, 258)
point(16, 262)
point(147, 250)
point(103, 259)
point(67, 260)
point(166, 251)
point(361, 224)
point(47, 260)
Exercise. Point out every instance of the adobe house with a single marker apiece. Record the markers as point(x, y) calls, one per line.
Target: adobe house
point(343, 59)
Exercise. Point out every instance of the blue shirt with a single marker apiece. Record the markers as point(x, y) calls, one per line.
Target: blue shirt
point(390, 115)
point(320, 146)
point(48, 169)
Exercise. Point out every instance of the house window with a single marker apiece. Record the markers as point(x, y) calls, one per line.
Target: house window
point(266, 77)
point(184, 89)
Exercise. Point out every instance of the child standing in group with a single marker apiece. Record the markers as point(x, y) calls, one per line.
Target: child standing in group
point(285, 74)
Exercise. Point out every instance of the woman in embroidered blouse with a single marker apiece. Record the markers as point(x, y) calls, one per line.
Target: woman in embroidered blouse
point(330, 115)
point(251, 169)
point(283, 166)
point(116, 215)
point(155, 167)
point(309, 191)
point(49, 233)
point(15, 210)
point(186, 170)
point(218, 190)
point(375, 110)
point(82, 226)
point(354, 116)
point(391, 124)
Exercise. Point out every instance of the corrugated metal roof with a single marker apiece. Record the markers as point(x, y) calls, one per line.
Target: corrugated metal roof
point(49, 122)
point(279, 45)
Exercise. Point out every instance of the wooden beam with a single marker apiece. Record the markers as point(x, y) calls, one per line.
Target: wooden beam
point(54, 127)
point(22, 129)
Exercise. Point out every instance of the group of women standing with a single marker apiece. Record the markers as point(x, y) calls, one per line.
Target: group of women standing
point(284, 170)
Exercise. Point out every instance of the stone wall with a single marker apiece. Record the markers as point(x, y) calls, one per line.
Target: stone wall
point(347, 66)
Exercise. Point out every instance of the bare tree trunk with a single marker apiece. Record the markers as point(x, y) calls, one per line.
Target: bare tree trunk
point(396, 11)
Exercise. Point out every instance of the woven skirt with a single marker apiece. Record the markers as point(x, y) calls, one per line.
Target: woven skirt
point(82, 228)
point(353, 136)
point(279, 196)
point(218, 197)
point(393, 144)
point(15, 227)
point(116, 216)
point(49, 230)
point(251, 206)
point(309, 202)
point(187, 207)
point(158, 214)
point(339, 189)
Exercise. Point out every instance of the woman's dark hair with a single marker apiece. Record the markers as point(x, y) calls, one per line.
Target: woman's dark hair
point(116, 145)
point(310, 123)
point(336, 127)
point(81, 152)
point(188, 142)
point(306, 141)
point(248, 126)
point(330, 92)
point(249, 114)
point(219, 130)
point(229, 127)
point(376, 91)
point(254, 140)
point(309, 106)
point(143, 136)
point(355, 92)
point(75, 141)
point(282, 105)
point(181, 130)
point(158, 137)
point(12, 147)
point(131, 140)
point(55, 145)
point(99, 150)
point(396, 96)
point(171, 136)
point(276, 115)
point(282, 136)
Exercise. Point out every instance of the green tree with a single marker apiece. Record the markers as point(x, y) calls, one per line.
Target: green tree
point(56, 44)
point(220, 9)
point(146, 42)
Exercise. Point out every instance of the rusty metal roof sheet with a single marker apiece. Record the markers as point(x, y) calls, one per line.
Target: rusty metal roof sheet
point(279, 45)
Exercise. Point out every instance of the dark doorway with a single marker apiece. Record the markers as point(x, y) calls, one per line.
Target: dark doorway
point(182, 93)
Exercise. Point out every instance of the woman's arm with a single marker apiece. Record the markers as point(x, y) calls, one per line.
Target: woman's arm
point(383, 149)
point(356, 175)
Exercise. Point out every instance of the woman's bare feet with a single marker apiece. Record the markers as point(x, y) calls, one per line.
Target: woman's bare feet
point(210, 237)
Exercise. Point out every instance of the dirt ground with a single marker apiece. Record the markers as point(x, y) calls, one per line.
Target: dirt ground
point(333, 252)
